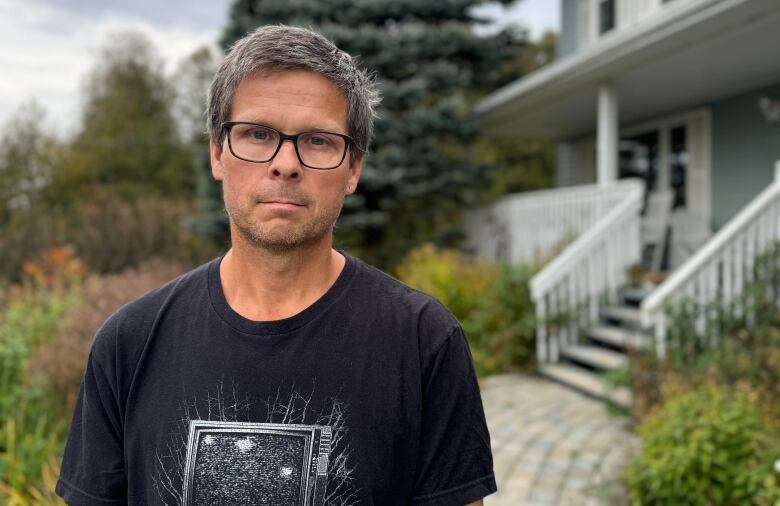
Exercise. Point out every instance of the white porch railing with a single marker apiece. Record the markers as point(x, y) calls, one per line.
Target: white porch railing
point(527, 227)
point(721, 269)
point(589, 272)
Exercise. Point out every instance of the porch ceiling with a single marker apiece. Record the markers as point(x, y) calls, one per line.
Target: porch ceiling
point(690, 54)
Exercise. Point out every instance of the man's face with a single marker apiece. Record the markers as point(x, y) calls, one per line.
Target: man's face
point(281, 204)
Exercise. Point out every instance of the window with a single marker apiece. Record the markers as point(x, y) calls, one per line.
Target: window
point(678, 166)
point(606, 15)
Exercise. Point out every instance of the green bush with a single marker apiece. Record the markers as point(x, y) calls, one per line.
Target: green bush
point(708, 446)
point(492, 302)
point(46, 329)
point(31, 434)
point(734, 343)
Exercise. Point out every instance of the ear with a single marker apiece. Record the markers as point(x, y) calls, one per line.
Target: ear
point(217, 169)
point(354, 174)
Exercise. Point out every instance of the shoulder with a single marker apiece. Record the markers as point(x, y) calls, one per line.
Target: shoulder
point(433, 322)
point(126, 331)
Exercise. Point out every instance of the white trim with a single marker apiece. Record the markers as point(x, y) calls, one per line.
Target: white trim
point(675, 119)
point(612, 55)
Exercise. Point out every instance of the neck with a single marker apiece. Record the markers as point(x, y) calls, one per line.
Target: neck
point(265, 285)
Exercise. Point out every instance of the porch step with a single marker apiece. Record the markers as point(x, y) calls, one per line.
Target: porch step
point(634, 296)
point(619, 338)
point(586, 382)
point(595, 357)
point(624, 316)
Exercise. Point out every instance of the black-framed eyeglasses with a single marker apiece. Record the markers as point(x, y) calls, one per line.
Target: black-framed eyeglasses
point(253, 142)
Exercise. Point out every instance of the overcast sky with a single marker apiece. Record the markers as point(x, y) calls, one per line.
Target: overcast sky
point(48, 46)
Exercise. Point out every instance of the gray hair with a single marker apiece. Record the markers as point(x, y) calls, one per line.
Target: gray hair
point(277, 48)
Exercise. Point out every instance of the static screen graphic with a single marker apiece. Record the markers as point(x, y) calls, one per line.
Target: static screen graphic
point(256, 464)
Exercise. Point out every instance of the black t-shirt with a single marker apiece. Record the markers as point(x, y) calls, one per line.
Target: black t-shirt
point(367, 397)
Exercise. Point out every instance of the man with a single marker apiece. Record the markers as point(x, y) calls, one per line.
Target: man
point(284, 372)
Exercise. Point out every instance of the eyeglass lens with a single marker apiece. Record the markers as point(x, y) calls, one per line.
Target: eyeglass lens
point(259, 143)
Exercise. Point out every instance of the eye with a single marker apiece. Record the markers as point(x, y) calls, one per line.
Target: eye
point(318, 140)
point(260, 135)
point(257, 134)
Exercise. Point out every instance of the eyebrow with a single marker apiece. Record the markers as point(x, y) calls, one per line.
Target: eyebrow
point(333, 129)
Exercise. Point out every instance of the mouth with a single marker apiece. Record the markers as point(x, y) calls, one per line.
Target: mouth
point(281, 205)
point(282, 199)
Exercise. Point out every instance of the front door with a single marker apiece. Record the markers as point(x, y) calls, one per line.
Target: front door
point(672, 157)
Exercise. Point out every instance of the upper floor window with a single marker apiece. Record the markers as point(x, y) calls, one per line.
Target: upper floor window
point(606, 15)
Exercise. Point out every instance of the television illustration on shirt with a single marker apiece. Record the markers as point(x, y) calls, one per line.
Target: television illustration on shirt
point(243, 463)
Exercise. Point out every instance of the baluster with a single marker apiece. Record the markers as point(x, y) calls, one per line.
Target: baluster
point(660, 334)
point(573, 330)
point(759, 225)
point(542, 345)
point(702, 289)
point(739, 269)
point(750, 259)
point(555, 328)
point(611, 266)
point(727, 257)
point(582, 307)
point(593, 289)
point(620, 254)
point(750, 253)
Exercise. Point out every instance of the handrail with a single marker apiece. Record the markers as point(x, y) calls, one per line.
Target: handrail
point(584, 190)
point(652, 307)
point(560, 265)
point(593, 266)
point(526, 227)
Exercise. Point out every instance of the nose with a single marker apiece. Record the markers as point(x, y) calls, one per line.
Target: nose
point(285, 164)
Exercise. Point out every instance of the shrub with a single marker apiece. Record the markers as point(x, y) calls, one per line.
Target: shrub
point(708, 446)
point(459, 283)
point(30, 435)
point(58, 365)
point(46, 329)
point(492, 302)
point(734, 344)
point(109, 232)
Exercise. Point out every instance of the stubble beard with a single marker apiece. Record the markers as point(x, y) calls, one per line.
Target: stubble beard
point(295, 236)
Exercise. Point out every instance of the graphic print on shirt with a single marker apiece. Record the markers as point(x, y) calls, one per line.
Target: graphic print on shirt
point(217, 455)
point(256, 463)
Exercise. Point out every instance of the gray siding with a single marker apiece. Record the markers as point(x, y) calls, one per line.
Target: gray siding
point(567, 40)
point(744, 150)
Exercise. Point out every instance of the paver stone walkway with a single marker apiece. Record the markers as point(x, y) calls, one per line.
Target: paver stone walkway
point(553, 446)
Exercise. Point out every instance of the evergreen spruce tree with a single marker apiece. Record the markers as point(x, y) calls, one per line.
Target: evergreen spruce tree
point(428, 62)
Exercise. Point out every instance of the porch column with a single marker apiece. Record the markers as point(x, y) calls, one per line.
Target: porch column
point(607, 139)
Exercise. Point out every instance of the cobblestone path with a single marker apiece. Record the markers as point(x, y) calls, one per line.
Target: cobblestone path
point(552, 445)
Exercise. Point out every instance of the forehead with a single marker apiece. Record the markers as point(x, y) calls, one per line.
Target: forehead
point(291, 100)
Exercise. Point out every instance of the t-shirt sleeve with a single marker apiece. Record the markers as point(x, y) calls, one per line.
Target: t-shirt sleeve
point(455, 465)
point(93, 471)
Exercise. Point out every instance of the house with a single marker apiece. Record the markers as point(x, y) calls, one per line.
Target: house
point(666, 119)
